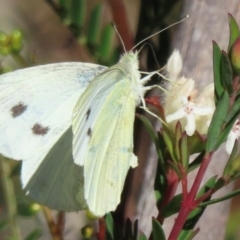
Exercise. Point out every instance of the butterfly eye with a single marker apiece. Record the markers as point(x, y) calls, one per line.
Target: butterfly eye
point(18, 109)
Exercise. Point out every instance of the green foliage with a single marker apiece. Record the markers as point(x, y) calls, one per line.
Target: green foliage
point(234, 31)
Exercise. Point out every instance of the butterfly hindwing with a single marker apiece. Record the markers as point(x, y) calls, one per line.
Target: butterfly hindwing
point(58, 181)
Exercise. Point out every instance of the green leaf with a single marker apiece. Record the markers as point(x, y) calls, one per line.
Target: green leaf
point(142, 237)
point(34, 235)
point(157, 141)
point(78, 12)
point(106, 43)
point(234, 31)
point(232, 157)
point(94, 25)
point(226, 73)
point(158, 232)
point(188, 234)
point(235, 110)
point(221, 199)
point(168, 141)
point(109, 226)
point(184, 152)
point(217, 55)
point(178, 135)
point(218, 119)
point(196, 143)
point(173, 206)
point(149, 127)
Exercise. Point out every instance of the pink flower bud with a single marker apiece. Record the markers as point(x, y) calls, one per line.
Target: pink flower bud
point(235, 55)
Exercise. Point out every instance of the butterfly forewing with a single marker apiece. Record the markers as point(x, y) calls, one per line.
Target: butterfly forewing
point(36, 107)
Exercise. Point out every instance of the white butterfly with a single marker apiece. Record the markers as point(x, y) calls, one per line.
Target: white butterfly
point(84, 166)
point(36, 114)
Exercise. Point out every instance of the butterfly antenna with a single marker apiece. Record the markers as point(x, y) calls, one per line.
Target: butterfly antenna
point(183, 19)
point(120, 38)
point(152, 50)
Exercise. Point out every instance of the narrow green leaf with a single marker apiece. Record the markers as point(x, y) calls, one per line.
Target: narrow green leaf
point(150, 129)
point(173, 206)
point(234, 31)
point(142, 237)
point(168, 141)
point(196, 143)
point(158, 232)
point(224, 134)
point(94, 25)
point(235, 110)
point(106, 43)
point(184, 152)
point(178, 135)
point(175, 168)
point(217, 55)
point(34, 235)
point(221, 199)
point(188, 234)
point(226, 73)
point(231, 159)
point(218, 119)
point(109, 226)
point(78, 12)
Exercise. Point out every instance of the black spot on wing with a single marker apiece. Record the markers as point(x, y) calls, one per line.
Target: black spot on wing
point(88, 113)
point(38, 129)
point(89, 132)
point(18, 109)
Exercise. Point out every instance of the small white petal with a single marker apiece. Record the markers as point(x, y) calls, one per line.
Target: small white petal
point(191, 124)
point(180, 113)
point(201, 111)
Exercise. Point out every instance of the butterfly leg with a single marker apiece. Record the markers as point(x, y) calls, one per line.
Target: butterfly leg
point(148, 111)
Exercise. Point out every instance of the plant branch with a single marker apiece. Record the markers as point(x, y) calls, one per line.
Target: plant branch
point(189, 203)
point(10, 198)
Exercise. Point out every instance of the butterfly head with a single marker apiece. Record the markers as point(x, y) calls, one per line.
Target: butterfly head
point(130, 59)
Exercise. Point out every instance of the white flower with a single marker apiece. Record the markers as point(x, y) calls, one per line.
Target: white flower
point(189, 111)
point(233, 135)
point(182, 104)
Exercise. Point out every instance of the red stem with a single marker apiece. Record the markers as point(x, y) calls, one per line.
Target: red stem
point(172, 180)
point(184, 183)
point(189, 203)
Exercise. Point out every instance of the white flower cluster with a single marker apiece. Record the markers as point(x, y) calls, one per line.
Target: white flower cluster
point(184, 104)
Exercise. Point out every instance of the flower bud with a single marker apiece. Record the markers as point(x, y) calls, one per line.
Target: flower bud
point(235, 55)
point(87, 231)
